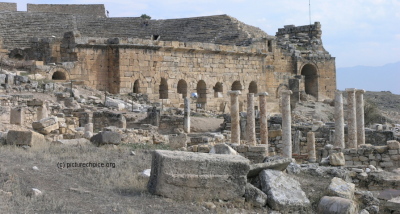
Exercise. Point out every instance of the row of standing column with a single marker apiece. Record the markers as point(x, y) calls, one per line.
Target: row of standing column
point(235, 118)
point(355, 116)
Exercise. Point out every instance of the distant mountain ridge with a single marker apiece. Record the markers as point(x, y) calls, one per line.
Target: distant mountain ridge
point(370, 78)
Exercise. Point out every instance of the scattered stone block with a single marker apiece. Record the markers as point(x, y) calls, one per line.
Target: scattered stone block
point(284, 193)
point(279, 164)
point(222, 148)
point(198, 176)
point(341, 188)
point(17, 116)
point(255, 196)
point(177, 141)
point(337, 159)
point(24, 138)
point(393, 204)
point(106, 137)
point(393, 144)
point(71, 142)
point(46, 125)
point(335, 205)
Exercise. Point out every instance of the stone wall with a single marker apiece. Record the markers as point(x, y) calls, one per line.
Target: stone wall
point(380, 156)
point(93, 10)
point(5, 6)
point(107, 118)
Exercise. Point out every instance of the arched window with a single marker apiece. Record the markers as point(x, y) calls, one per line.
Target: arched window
point(218, 90)
point(182, 88)
point(163, 89)
point(310, 79)
point(253, 87)
point(59, 75)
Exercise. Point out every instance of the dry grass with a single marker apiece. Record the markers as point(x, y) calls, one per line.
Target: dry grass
point(81, 190)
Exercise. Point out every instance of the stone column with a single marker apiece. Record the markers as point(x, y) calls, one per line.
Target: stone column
point(89, 127)
point(286, 125)
point(186, 119)
point(339, 121)
point(351, 117)
point(312, 158)
point(263, 118)
point(42, 112)
point(235, 118)
point(360, 116)
point(251, 121)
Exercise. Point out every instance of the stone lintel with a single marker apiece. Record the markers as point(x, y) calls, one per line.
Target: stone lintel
point(262, 94)
point(234, 92)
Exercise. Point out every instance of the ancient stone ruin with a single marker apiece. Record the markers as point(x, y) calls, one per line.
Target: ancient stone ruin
point(231, 101)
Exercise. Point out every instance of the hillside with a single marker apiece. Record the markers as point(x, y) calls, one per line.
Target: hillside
point(381, 78)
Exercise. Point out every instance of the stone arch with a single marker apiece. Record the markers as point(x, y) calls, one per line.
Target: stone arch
point(309, 72)
point(136, 87)
point(253, 87)
point(236, 86)
point(163, 89)
point(281, 88)
point(218, 90)
point(182, 88)
point(59, 75)
point(201, 93)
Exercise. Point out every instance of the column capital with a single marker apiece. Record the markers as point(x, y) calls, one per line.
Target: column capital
point(288, 92)
point(350, 90)
point(234, 92)
point(360, 91)
point(262, 94)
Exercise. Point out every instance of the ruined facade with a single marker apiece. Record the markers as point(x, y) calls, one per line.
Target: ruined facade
point(171, 59)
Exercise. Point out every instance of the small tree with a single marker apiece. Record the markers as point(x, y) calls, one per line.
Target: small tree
point(371, 113)
point(145, 16)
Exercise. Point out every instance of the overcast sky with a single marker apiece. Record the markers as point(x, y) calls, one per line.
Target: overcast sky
point(356, 32)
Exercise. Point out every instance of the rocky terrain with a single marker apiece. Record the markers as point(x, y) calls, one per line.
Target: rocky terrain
point(52, 134)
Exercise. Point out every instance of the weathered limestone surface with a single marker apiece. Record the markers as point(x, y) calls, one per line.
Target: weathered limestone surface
point(235, 118)
point(284, 193)
point(89, 127)
point(198, 176)
point(71, 142)
point(17, 116)
point(177, 141)
point(42, 112)
point(106, 137)
point(360, 117)
point(275, 164)
point(335, 205)
point(337, 159)
point(21, 138)
point(351, 117)
point(339, 121)
point(255, 196)
point(222, 148)
point(393, 204)
point(46, 125)
point(263, 118)
point(312, 158)
point(341, 188)
point(251, 121)
point(286, 124)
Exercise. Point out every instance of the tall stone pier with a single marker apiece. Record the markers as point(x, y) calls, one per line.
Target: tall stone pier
point(312, 158)
point(339, 121)
point(42, 112)
point(235, 118)
point(251, 121)
point(262, 97)
point(351, 117)
point(186, 117)
point(360, 116)
point(286, 124)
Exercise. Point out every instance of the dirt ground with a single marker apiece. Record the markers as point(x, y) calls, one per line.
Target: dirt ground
point(88, 190)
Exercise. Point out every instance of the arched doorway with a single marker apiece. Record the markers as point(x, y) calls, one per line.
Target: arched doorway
point(218, 90)
point(310, 79)
point(59, 75)
point(136, 87)
point(182, 88)
point(253, 87)
point(236, 86)
point(202, 94)
point(163, 89)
